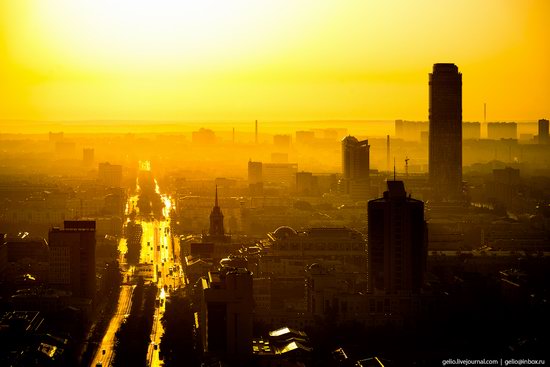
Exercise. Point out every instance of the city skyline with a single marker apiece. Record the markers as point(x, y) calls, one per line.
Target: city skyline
point(274, 183)
point(84, 60)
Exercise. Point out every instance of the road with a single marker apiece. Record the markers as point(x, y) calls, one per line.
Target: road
point(107, 344)
point(159, 253)
point(159, 249)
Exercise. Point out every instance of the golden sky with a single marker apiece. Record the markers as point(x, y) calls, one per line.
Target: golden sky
point(188, 60)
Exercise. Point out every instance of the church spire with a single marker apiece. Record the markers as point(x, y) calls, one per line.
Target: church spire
point(216, 219)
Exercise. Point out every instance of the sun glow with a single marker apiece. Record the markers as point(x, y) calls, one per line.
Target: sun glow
point(234, 60)
point(135, 34)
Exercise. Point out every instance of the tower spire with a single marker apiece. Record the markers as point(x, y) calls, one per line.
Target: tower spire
point(216, 201)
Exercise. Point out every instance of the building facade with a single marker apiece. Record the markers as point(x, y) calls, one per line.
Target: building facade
point(72, 258)
point(356, 166)
point(397, 242)
point(445, 137)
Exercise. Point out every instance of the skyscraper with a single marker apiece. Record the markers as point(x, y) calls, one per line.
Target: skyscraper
point(355, 166)
point(72, 258)
point(397, 242)
point(445, 137)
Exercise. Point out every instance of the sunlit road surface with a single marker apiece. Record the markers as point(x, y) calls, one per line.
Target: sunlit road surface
point(158, 249)
point(107, 344)
point(156, 333)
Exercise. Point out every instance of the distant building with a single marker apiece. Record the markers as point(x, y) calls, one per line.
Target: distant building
point(356, 166)
point(505, 185)
point(55, 137)
point(445, 139)
point(87, 157)
point(410, 130)
point(282, 141)
point(543, 132)
point(216, 233)
point(397, 242)
point(255, 177)
point(279, 174)
point(502, 130)
point(306, 183)
point(72, 258)
point(471, 130)
point(109, 174)
point(279, 157)
point(225, 317)
point(254, 172)
point(305, 137)
point(203, 136)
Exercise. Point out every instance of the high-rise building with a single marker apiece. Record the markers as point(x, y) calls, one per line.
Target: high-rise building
point(355, 166)
point(397, 242)
point(543, 132)
point(445, 137)
point(225, 319)
point(72, 258)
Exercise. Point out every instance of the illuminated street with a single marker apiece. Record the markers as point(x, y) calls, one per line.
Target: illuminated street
point(157, 264)
point(104, 353)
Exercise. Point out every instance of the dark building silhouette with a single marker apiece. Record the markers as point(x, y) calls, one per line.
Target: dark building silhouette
point(72, 258)
point(216, 219)
point(445, 137)
point(543, 132)
point(397, 242)
point(225, 318)
point(355, 166)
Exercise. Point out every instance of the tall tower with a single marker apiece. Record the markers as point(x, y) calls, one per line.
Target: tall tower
point(356, 166)
point(445, 136)
point(397, 242)
point(355, 158)
point(216, 219)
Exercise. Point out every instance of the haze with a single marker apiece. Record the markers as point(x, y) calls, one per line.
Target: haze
point(281, 60)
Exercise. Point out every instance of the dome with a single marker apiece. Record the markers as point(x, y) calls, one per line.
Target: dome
point(350, 140)
point(284, 232)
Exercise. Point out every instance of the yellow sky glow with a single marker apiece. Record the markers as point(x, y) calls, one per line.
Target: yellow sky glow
point(186, 60)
